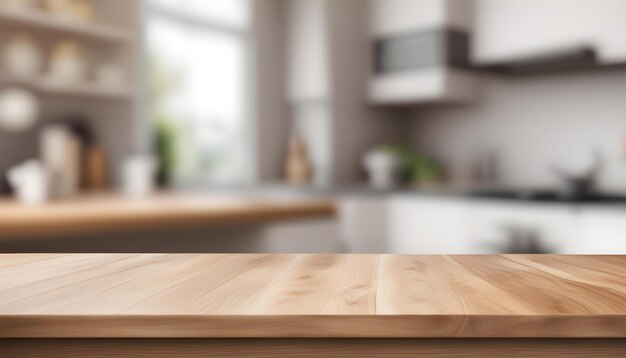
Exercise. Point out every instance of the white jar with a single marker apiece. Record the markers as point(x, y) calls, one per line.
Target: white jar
point(60, 152)
point(22, 57)
point(19, 109)
point(67, 64)
point(382, 168)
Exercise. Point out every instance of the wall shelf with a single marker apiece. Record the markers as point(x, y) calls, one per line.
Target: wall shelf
point(79, 90)
point(113, 37)
point(42, 21)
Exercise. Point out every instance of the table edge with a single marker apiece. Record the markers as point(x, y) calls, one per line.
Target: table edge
point(314, 326)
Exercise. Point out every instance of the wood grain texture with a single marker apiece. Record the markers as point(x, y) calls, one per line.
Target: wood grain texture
point(313, 348)
point(311, 296)
point(115, 213)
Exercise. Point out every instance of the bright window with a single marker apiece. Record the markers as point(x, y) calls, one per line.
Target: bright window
point(197, 54)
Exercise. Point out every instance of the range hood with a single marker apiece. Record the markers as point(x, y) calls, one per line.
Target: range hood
point(566, 58)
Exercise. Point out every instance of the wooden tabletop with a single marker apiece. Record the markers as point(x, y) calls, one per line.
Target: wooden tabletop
point(106, 213)
point(172, 295)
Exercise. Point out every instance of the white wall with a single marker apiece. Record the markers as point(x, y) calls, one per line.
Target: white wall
point(533, 122)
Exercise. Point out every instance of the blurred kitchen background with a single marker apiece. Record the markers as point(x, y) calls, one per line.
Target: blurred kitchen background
point(400, 126)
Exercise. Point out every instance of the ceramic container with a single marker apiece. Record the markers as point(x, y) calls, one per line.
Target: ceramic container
point(30, 182)
point(139, 175)
point(22, 56)
point(382, 168)
point(67, 63)
point(60, 152)
point(19, 109)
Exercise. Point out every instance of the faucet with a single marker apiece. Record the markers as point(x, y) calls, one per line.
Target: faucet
point(518, 239)
point(578, 186)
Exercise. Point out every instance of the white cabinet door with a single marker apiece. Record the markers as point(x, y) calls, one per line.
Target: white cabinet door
point(433, 225)
point(603, 231)
point(489, 225)
point(517, 29)
point(363, 224)
point(393, 17)
point(422, 225)
point(437, 84)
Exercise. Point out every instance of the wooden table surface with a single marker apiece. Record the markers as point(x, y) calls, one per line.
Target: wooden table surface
point(104, 213)
point(279, 296)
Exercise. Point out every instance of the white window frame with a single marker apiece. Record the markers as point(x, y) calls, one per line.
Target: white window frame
point(249, 174)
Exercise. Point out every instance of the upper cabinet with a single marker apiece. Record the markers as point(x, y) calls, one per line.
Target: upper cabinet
point(520, 33)
point(421, 51)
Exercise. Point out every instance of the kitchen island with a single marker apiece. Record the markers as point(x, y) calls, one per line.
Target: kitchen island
point(310, 305)
point(111, 213)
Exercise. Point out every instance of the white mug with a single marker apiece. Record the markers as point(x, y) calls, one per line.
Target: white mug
point(138, 175)
point(30, 182)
